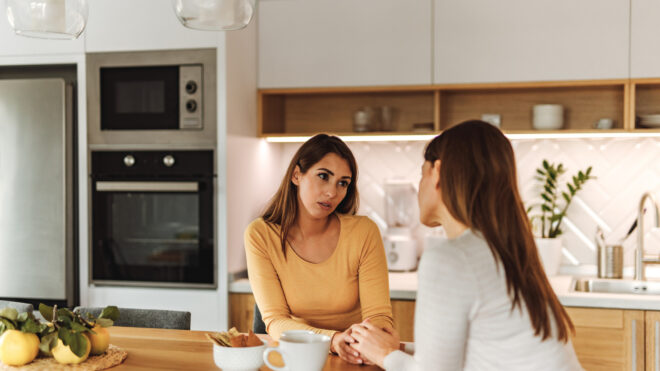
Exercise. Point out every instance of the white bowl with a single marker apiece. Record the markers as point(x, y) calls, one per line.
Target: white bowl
point(239, 359)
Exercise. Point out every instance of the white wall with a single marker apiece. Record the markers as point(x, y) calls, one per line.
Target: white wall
point(249, 159)
point(140, 25)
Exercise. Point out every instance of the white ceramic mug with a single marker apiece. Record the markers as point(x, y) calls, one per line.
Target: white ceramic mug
point(301, 350)
point(605, 123)
point(548, 116)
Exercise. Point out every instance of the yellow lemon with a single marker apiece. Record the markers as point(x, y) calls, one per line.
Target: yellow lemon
point(18, 348)
point(100, 341)
point(64, 355)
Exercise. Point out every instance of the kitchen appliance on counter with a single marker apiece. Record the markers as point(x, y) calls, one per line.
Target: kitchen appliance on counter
point(152, 97)
point(38, 212)
point(153, 218)
point(401, 215)
point(610, 257)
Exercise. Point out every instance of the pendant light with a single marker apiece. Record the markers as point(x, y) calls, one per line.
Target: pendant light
point(214, 15)
point(48, 19)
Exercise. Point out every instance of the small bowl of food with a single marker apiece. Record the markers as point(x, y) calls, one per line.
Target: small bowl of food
point(233, 351)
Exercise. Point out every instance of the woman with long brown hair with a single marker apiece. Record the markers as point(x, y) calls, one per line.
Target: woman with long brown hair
point(312, 263)
point(484, 301)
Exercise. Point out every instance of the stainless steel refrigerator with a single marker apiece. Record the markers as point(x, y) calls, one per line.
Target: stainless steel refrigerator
point(37, 252)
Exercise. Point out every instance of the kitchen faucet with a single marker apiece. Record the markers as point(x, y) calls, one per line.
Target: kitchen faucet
point(640, 260)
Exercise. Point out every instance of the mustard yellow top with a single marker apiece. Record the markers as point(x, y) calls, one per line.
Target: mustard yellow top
point(348, 287)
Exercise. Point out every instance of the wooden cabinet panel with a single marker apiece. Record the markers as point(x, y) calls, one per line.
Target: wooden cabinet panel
point(403, 312)
point(241, 310)
point(344, 43)
point(600, 318)
point(634, 341)
point(521, 40)
point(608, 339)
point(652, 341)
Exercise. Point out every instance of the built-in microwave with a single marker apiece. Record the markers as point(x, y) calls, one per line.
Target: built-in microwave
point(152, 97)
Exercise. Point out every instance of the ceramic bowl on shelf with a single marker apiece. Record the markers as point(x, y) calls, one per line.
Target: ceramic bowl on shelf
point(547, 116)
point(239, 359)
point(650, 121)
point(604, 124)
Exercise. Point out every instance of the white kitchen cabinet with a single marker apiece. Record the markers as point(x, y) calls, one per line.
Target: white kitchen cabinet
point(522, 40)
point(309, 43)
point(120, 25)
point(14, 45)
point(644, 45)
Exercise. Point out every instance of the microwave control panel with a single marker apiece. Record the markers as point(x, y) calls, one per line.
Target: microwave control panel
point(190, 96)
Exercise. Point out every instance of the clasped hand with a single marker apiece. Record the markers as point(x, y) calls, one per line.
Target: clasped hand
point(365, 343)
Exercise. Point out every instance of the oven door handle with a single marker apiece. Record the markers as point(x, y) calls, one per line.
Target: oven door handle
point(108, 186)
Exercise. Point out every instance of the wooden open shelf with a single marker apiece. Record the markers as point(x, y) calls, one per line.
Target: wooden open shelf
point(301, 112)
point(583, 106)
point(646, 101)
point(292, 112)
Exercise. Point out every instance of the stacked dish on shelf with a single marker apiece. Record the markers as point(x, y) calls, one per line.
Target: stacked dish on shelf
point(649, 121)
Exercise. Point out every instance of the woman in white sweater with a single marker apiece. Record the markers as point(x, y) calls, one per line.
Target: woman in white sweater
point(484, 301)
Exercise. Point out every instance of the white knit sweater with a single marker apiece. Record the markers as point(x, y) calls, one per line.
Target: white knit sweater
point(463, 317)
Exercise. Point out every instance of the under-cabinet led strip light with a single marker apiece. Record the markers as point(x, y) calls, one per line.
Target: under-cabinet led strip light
point(427, 137)
point(357, 138)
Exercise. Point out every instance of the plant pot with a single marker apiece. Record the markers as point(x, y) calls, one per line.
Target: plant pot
point(550, 253)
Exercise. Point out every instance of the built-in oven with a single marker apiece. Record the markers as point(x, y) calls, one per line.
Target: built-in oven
point(152, 218)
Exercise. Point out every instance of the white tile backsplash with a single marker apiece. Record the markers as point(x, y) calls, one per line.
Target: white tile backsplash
point(625, 169)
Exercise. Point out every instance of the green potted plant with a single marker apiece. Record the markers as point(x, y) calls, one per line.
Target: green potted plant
point(546, 216)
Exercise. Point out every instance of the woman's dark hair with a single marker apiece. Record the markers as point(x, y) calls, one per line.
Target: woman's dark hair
point(478, 183)
point(283, 207)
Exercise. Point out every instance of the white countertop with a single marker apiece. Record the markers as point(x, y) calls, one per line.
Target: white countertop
point(403, 286)
point(569, 298)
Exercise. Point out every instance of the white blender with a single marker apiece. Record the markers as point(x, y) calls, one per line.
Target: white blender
point(401, 215)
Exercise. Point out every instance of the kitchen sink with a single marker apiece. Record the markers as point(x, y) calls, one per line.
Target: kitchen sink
point(616, 286)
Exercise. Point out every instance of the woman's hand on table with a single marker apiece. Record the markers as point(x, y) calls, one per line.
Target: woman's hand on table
point(374, 343)
point(340, 344)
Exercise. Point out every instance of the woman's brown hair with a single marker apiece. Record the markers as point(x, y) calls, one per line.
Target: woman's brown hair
point(478, 183)
point(283, 207)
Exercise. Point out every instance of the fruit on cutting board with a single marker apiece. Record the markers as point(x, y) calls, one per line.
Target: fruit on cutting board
point(100, 340)
point(63, 353)
point(18, 348)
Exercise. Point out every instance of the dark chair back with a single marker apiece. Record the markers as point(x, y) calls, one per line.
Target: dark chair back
point(20, 307)
point(258, 325)
point(150, 318)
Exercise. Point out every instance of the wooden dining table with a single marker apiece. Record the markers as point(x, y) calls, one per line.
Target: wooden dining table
point(162, 349)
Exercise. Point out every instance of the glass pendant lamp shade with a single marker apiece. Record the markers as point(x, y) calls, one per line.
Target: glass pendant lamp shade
point(48, 19)
point(214, 15)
